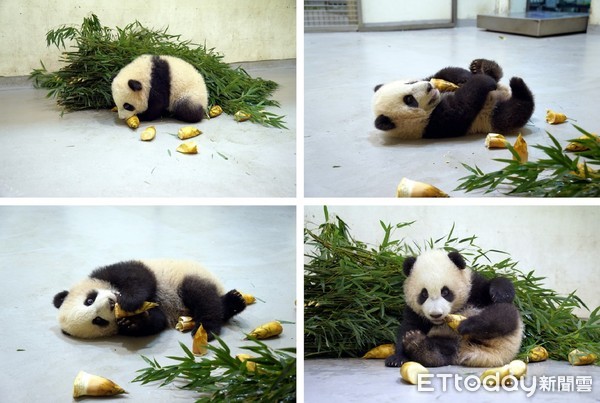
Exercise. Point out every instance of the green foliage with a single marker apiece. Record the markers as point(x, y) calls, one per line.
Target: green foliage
point(558, 175)
point(353, 294)
point(100, 52)
point(226, 378)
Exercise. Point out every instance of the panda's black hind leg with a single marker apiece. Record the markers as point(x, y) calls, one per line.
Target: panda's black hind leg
point(512, 114)
point(203, 301)
point(188, 111)
point(485, 66)
point(233, 303)
point(429, 351)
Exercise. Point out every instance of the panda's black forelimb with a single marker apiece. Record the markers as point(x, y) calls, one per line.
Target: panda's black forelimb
point(485, 292)
point(454, 75)
point(495, 320)
point(133, 280)
point(147, 323)
point(460, 110)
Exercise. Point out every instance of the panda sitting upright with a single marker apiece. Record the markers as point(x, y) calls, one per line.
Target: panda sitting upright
point(179, 287)
point(415, 109)
point(439, 283)
point(152, 86)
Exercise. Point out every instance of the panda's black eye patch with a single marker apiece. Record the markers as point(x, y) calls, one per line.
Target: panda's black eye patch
point(447, 294)
point(409, 100)
point(423, 296)
point(91, 297)
point(128, 107)
point(98, 321)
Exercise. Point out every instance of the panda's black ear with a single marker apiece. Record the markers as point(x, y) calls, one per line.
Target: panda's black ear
point(377, 87)
point(384, 123)
point(135, 85)
point(60, 298)
point(409, 262)
point(457, 259)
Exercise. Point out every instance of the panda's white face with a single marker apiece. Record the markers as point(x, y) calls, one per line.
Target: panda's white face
point(87, 311)
point(130, 96)
point(436, 287)
point(402, 108)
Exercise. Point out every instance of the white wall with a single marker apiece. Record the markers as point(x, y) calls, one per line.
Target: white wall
point(242, 30)
point(560, 243)
point(595, 12)
point(381, 11)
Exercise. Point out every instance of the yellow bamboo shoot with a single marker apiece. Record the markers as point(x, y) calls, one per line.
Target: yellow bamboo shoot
point(188, 132)
point(538, 353)
point(555, 118)
point(133, 122)
point(578, 357)
point(410, 188)
point(454, 320)
point(120, 313)
point(495, 140)
point(443, 85)
point(267, 330)
point(520, 147)
point(382, 351)
point(93, 385)
point(409, 371)
point(148, 134)
point(188, 147)
point(200, 342)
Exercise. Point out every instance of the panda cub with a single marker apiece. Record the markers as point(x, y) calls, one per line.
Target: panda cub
point(415, 109)
point(179, 288)
point(152, 86)
point(439, 283)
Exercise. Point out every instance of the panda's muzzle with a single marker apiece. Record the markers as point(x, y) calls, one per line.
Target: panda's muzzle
point(98, 321)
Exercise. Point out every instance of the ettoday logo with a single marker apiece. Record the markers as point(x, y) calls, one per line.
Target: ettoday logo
point(493, 383)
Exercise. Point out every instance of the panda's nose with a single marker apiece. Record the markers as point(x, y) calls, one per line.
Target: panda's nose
point(436, 315)
point(429, 87)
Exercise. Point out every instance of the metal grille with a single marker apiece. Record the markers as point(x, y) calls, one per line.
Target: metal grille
point(332, 15)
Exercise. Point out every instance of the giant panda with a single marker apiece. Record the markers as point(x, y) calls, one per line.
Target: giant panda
point(152, 86)
point(179, 287)
point(439, 283)
point(415, 109)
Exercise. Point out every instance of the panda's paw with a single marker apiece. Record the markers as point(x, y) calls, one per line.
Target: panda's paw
point(394, 361)
point(413, 338)
point(519, 89)
point(130, 323)
point(233, 303)
point(488, 67)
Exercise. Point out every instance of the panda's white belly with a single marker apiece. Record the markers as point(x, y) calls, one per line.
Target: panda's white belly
point(483, 121)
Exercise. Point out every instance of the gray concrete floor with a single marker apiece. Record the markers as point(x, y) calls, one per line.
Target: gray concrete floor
point(345, 156)
point(46, 249)
point(94, 154)
point(357, 380)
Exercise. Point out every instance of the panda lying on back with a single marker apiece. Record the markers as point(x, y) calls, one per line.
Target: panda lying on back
point(439, 283)
point(179, 288)
point(414, 109)
point(153, 86)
